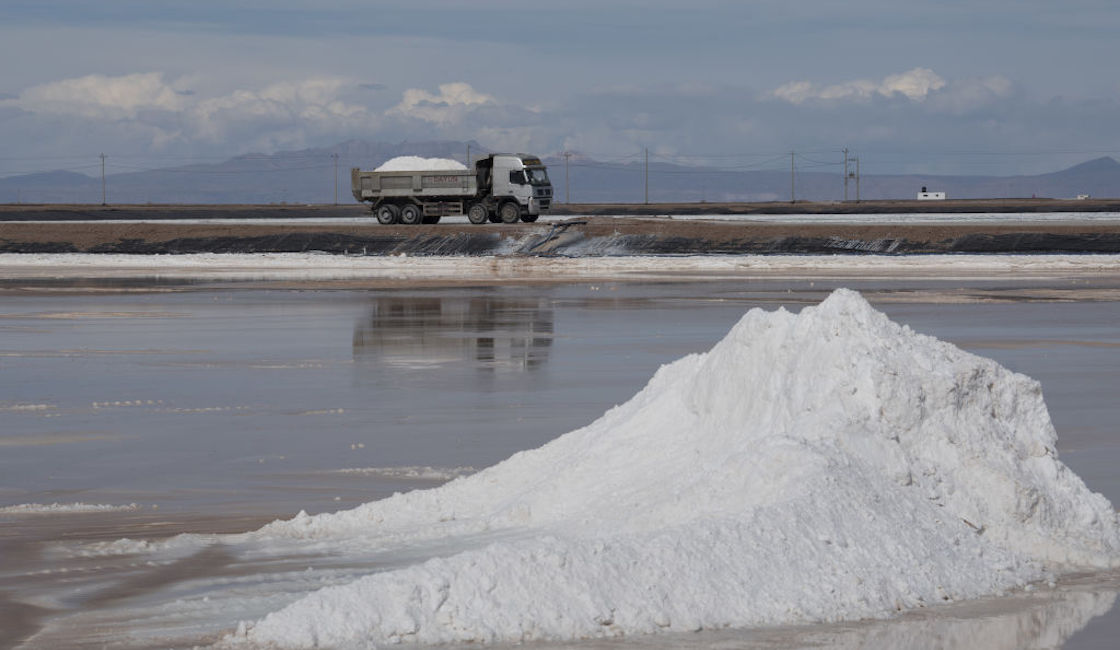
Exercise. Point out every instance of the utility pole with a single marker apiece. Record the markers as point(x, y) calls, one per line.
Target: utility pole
point(857, 179)
point(567, 185)
point(792, 195)
point(845, 173)
point(647, 175)
point(335, 157)
point(103, 202)
point(468, 155)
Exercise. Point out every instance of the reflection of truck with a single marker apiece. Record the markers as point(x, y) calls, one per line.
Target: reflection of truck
point(501, 187)
point(488, 332)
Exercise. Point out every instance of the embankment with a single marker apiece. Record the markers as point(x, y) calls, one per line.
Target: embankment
point(592, 236)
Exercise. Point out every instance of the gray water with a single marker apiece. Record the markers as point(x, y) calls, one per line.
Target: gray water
point(204, 398)
point(207, 401)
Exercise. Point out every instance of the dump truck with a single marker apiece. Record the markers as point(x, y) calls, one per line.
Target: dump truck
point(502, 187)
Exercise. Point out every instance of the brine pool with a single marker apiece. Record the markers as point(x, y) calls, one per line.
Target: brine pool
point(138, 408)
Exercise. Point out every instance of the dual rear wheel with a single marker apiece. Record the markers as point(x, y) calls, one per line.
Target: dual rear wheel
point(409, 214)
point(388, 214)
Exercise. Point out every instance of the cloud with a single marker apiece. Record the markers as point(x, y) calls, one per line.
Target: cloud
point(916, 85)
point(189, 111)
point(101, 97)
point(311, 103)
point(164, 112)
point(452, 103)
point(907, 116)
point(973, 94)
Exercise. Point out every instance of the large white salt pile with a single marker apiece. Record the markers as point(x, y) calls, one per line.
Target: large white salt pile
point(816, 467)
point(417, 163)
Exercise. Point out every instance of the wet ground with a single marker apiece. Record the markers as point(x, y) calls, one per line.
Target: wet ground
point(217, 408)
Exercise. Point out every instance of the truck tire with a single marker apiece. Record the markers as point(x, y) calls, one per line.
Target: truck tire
point(411, 214)
point(388, 214)
point(529, 218)
point(477, 213)
point(510, 212)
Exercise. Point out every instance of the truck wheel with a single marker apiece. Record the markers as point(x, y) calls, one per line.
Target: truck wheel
point(477, 213)
point(510, 212)
point(411, 215)
point(529, 218)
point(388, 214)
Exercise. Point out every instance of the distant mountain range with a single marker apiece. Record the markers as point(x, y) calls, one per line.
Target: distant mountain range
point(309, 176)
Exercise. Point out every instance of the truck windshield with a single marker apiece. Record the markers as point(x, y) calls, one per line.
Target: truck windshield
point(537, 175)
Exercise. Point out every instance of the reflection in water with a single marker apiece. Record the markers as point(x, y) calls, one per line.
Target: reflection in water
point(123, 284)
point(494, 332)
point(133, 613)
point(1046, 619)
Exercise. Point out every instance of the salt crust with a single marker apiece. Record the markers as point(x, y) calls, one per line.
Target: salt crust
point(417, 472)
point(825, 466)
point(63, 508)
point(416, 163)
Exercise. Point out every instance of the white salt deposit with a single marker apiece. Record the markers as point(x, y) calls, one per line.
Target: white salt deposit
point(419, 473)
point(319, 266)
point(416, 163)
point(64, 508)
point(825, 466)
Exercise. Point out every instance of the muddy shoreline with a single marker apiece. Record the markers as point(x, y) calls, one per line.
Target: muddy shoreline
point(23, 561)
point(577, 237)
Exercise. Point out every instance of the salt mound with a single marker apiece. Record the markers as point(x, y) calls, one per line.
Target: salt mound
point(416, 163)
point(824, 466)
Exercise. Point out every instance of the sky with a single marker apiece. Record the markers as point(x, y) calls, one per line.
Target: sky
point(951, 86)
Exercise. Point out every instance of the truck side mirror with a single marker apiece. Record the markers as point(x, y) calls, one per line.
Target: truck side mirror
point(517, 177)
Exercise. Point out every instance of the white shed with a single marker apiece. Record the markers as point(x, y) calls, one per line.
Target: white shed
point(930, 196)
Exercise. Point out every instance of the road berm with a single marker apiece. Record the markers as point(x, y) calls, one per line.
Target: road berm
point(343, 230)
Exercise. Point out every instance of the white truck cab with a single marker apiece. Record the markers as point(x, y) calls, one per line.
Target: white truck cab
point(522, 180)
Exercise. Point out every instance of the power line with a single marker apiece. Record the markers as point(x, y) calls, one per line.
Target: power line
point(822, 163)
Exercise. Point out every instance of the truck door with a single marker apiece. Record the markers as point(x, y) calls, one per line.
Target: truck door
point(510, 179)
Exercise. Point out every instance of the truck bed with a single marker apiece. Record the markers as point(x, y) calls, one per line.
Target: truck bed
point(423, 185)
